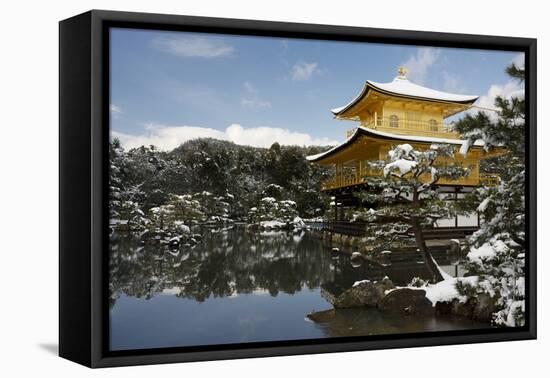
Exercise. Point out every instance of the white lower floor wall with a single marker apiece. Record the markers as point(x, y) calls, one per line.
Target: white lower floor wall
point(469, 220)
point(450, 194)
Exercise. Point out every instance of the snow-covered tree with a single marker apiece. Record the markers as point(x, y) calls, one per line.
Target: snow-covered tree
point(235, 177)
point(118, 193)
point(165, 224)
point(406, 198)
point(276, 213)
point(497, 250)
point(131, 212)
point(186, 208)
point(215, 208)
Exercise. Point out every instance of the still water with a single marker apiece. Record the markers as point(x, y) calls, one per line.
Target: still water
point(239, 286)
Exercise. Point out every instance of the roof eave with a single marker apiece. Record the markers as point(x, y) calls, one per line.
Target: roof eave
point(339, 113)
point(387, 136)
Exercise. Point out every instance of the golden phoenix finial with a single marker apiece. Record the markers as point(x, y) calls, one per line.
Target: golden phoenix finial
point(402, 71)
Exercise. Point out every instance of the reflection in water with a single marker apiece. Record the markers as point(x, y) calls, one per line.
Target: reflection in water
point(240, 286)
point(364, 321)
point(223, 264)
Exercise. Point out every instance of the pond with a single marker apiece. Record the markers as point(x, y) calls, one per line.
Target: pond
point(239, 286)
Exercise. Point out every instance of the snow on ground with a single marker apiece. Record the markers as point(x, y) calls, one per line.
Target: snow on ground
point(445, 291)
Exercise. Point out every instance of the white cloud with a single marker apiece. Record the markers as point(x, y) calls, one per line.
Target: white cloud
point(284, 43)
point(519, 60)
point(114, 110)
point(512, 88)
point(266, 136)
point(417, 65)
point(304, 71)
point(189, 47)
point(452, 82)
point(169, 137)
point(251, 98)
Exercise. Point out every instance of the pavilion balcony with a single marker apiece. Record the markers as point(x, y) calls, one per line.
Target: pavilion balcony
point(351, 179)
point(394, 125)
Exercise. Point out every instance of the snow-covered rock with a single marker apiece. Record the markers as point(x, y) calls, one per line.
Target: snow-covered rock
point(299, 224)
point(272, 224)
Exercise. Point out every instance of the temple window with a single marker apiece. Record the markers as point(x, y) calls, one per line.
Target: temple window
point(433, 124)
point(394, 121)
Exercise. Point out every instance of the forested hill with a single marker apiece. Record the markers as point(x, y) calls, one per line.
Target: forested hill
point(239, 175)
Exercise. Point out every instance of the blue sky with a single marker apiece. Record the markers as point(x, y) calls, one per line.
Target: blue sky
point(167, 87)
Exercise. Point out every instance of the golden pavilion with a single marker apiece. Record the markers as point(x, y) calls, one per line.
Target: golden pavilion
point(395, 113)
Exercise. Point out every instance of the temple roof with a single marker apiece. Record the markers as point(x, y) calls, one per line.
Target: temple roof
point(382, 135)
point(402, 87)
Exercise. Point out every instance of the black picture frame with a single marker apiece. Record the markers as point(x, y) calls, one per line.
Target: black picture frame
point(83, 146)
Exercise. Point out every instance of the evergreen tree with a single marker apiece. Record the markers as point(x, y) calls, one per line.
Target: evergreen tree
point(497, 250)
point(227, 179)
point(123, 193)
point(407, 200)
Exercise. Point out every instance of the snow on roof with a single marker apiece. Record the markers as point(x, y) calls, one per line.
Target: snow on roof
point(401, 86)
point(327, 152)
point(377, 133)
point(415, 138)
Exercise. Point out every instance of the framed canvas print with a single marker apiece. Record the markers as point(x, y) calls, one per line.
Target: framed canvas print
point(234, 188)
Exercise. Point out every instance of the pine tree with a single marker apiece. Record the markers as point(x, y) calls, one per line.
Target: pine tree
point(497, 250)
point(406, 198)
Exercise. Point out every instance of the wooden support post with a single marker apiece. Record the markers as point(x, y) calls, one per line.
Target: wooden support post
point(456, 199)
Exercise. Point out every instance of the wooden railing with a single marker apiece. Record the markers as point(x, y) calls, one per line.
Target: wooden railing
point(345, 227)
point(359, 229)
point(489, 179)
point(412, 127)
point(350, 179)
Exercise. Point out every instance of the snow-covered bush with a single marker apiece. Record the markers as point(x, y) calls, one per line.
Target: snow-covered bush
point(214, 208)
point(271, 213)
point(130, 212)
point(185, 208)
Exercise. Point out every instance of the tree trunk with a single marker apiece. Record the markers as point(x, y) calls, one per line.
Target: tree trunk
point(421, 243)
point(425, 252)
